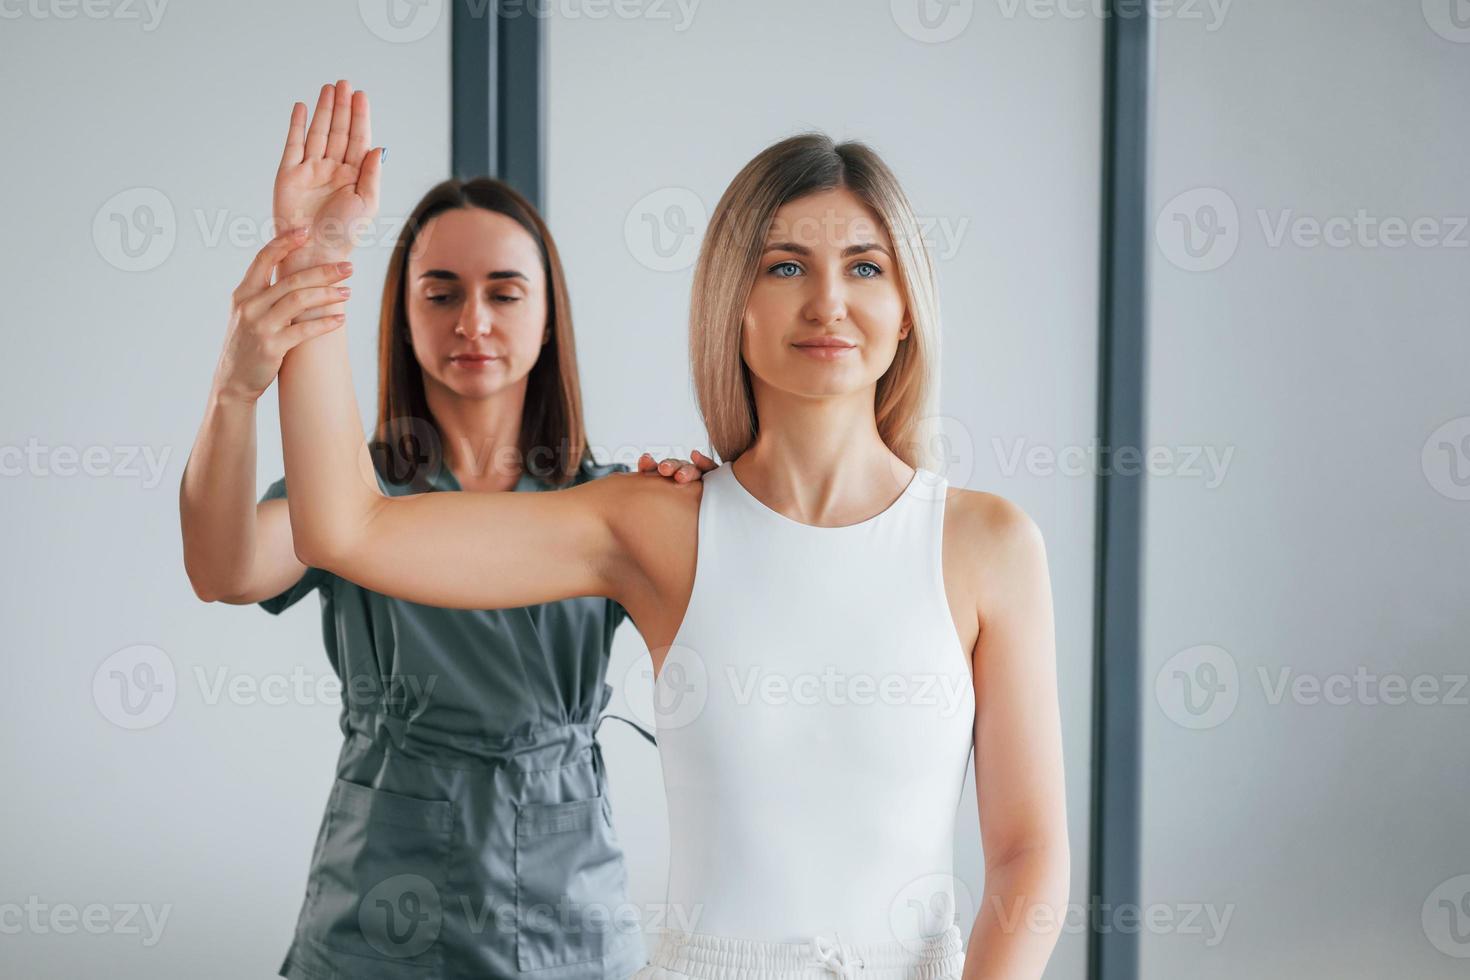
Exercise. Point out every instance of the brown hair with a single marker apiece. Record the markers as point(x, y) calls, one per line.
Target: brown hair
point(904, 402)
point(552, 416)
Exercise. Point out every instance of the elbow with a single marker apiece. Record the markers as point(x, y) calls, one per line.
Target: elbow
point(203, 592)
point(207, 587)
point(324, 543)
point(325, 537)
point(1046, 862)
point(213, 588)
point(314, 548)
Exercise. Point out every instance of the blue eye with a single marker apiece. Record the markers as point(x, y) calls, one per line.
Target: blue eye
point(783, 265)
point(877, 271)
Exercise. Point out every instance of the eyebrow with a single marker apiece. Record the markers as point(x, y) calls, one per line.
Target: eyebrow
point(451, 277)
point(850, 250)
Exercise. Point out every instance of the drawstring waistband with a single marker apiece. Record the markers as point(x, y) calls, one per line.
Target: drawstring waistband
point(710, 957)
point(836, 957)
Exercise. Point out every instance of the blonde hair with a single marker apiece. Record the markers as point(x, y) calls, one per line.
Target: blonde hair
point(905, 402)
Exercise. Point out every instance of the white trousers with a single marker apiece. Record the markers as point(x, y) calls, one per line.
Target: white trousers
point(700, 956)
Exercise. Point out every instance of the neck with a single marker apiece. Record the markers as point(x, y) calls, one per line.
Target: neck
point(820, 458)
point(480, 436)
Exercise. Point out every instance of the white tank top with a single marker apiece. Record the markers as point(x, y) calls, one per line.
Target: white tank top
point(815, 717)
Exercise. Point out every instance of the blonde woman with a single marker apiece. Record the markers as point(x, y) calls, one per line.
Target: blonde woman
point(832, 627)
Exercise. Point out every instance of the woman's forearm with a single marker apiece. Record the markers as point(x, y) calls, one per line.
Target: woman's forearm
point(328, 468)
point(1021, 917)
point(217, 498)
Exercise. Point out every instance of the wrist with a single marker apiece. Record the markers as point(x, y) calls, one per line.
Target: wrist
point(231, 398)
point(312, 254)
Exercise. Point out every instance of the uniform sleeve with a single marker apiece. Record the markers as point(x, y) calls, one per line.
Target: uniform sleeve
point(312, 578)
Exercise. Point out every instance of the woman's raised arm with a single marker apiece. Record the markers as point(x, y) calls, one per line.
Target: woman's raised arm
point(460, 550)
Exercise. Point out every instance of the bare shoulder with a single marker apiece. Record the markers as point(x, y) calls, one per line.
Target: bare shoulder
point(990, 521)
point(639, 504)
point(992, 546)
point(649, 516)
point(655, 522)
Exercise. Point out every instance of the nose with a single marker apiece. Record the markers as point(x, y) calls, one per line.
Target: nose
point(827, 302)
point(474, 318)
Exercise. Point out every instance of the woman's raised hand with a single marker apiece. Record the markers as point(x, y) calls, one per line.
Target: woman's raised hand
point(329, 174)
point(261, 331)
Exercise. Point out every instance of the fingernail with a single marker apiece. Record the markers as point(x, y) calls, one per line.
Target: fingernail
point(344, 290)
point(384, 157)
point(344, 267)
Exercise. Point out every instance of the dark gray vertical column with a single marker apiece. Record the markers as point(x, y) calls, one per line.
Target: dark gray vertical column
point(498, 93)
point(1117, 668)
point(522, 102)
point(472, 92)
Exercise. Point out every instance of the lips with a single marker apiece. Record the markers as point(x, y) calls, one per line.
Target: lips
point(825, 342)
point(475, 358)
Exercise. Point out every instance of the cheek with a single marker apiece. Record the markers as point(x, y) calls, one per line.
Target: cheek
point(762, 306)
point(524, 323)
point(882, 309)
point(422, 335)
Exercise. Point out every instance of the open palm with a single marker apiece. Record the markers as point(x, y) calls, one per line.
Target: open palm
point(328, 177)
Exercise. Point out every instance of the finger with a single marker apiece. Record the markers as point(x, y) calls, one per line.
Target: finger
point(295, 136)
point(258, 276)
point(368, 179)
point(317, 275)
point(341, 122)
point(646, 463)
point(300, 301)
point(681, 471)
point(297, 333)
point(316, 136)
point(360, 136)
point(704, 462)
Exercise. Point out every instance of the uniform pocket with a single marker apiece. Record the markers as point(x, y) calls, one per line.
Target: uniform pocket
point(571, 885)
point(379, 888)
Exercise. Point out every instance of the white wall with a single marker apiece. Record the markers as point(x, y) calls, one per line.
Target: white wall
point(994, 132)
point(206, 818)
point(1336, 541)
